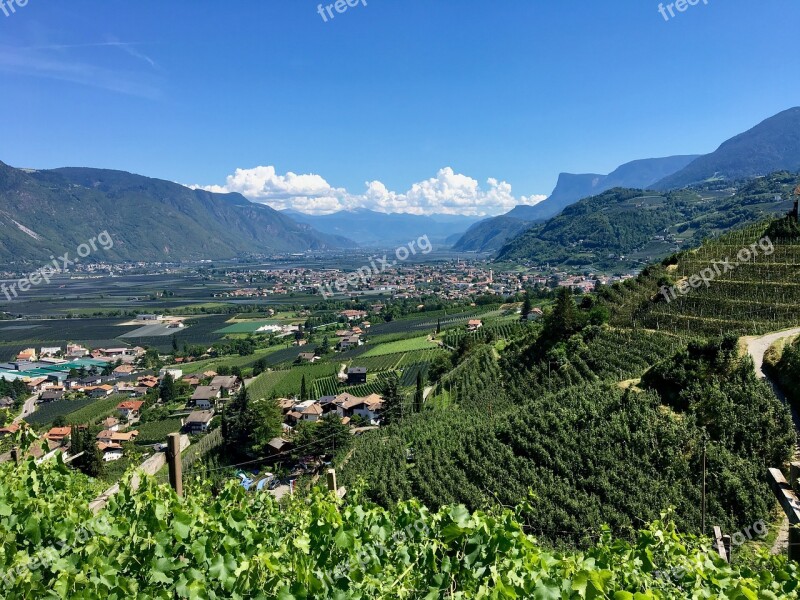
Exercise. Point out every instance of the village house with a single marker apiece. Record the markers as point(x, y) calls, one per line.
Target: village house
point(474, 324)
point(199, 421)
point(29, 354)
point(76, 351)
point(110, 424)
point(309, 357)
point(111, 452)
point(57, 434)
point(51, 396)
point(368, 408)
point(9, 430)
point(356, 375)
point(312, 413)
point(205, 397)
point(130, 409)
point(116, 437)
point(227, 384)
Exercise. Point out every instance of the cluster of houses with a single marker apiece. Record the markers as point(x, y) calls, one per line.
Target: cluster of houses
point(344, 405)
point(207, 399)
point(51, 371)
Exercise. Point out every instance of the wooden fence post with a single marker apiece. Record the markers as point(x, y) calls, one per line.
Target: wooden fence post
point(723, 549)
point(332, 480)
point(791, 506)
point(15, 455)
point(174, 462)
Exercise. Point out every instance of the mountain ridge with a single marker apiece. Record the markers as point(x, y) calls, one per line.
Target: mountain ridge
point(45, 212)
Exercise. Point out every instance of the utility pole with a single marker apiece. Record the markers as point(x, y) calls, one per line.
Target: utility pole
point(703, 526)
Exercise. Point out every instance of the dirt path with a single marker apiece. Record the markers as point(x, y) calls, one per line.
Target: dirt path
point(757, 347)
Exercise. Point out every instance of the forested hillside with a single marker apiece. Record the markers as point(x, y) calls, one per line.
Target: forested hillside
point(622, 229)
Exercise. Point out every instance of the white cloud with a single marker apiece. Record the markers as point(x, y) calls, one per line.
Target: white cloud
point(447, 193)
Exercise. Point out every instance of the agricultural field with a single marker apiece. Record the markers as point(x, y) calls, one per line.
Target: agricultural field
point(409, 345)
point(47, 413)
point(93, 413)
point(156, 432)
point(287, 382)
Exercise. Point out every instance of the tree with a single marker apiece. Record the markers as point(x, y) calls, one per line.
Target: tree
point(564, 320)
point(440, 365)
point(303, 390)
point(438, 326)
point(168, 392)
point(392, 402)
point(419, 396)
point(248, 426)
point(332, 436)
point(526, 307)
point(174, 343)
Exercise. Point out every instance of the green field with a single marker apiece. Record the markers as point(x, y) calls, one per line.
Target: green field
point(409, 345)
point(156, 432)
point(287, 382)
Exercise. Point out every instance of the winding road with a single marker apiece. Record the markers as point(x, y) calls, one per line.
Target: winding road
point(757, 347)
point(27, 408)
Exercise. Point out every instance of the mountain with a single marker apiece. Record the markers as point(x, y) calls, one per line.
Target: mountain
point(44, 213)
point(375, 229)
point(772, 145)
point(621, 229)
point(491, 234)
point(639, 174)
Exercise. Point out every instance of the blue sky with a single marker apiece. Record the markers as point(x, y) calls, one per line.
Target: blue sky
point(480, 104)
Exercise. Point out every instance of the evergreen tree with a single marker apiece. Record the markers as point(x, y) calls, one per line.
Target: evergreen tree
point(392, 402)
point(526, 307)
point(303, 390)
point(174, 343)
point(168, 391)
point(419, 396)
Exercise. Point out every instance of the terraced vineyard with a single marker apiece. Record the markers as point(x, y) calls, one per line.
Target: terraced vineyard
point(503, 331)
point(757, 291)
point(287, 382)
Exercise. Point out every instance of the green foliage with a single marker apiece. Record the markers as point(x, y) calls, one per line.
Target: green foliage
point(249, 424)
point(151, 544)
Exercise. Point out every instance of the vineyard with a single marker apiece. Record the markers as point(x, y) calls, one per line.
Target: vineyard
point(95, 412)
point(287, 383)
point(509, 430)
point(748, 297)
point(409, 345)
point(152, 544)
point(156, 432)
point(501, 331)
point(49, 412)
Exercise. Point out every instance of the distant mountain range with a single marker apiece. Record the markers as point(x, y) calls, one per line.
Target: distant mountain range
point(771, 146)
point(492, 234)
point(374, 229)
point(44, 213)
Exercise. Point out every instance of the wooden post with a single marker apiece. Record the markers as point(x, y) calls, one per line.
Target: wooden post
point(15, 455)
point(703, 526)
point(726, 541)
point(794, 475)
point(719, 543)
point(174, 462)
point(791, 506)
point(332, 480)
